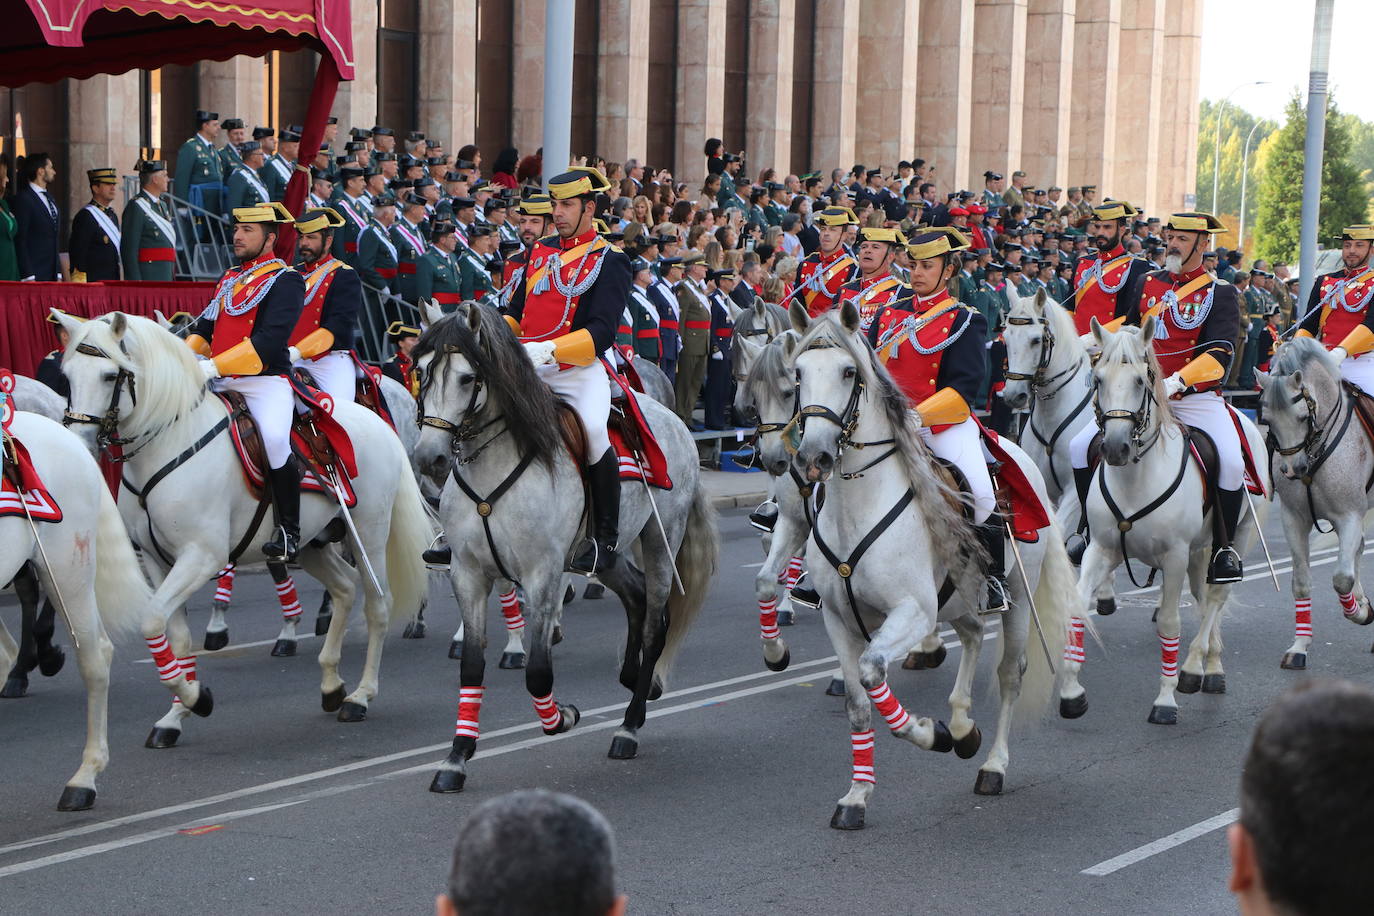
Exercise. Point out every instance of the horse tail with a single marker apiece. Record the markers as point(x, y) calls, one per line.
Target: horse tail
point(407, 579)
point(1056, 595)
point(122, 593)
point(696, 564)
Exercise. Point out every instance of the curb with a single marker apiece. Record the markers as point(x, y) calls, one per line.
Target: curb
point(739, 500)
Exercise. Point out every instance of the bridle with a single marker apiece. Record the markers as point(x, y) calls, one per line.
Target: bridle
point(1140, 417)
point(466, 428)
point(748, 334)
point(106, 434)
point(1316, 433)
point(847, 421)
point(1037, 378)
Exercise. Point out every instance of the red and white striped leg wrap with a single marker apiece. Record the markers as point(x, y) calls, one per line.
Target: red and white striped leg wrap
point(1168, 655)
point(794, 571)
point(469, 708)
point(1349, 607)
point(168, 667)
point(188, 668)
point(510, 607)
point(290, 603)
point(861, 743)
point(224, 585)
point(548, 713)
point(888, 706)
point(768, 618)
point(1302, 615)
point(1073, 650)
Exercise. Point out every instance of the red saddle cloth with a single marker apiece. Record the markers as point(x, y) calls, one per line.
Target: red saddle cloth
point(1026, 513)
point(628, 432)
point(21, 489)
point(1252, 475)
point(369, 390)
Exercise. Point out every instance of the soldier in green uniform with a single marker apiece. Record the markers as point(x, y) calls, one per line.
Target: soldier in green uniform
point(276, 174)
point(731, 165)
point(377, 263)
point(987, 299)
point(199, 168)
point(474, 281)
point(245, 185)
point(235, 133)
point(437, 274)
point(147, 241)
point(348, 200)
point(408, 235)
point(967, 283)
point(695, 329)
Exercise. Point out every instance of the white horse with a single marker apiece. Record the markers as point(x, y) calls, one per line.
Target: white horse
point(1157, 517)
point(1326, 467)
point(186, 503)
point(513, 507)
point(900, 555)
point(93, 570)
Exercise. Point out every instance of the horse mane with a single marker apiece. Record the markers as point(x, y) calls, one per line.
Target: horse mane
point(1057, 318)
point(514, 388)
point(1127, 347)
point(951, 536)
point(771, 363)
point(166, 379)
point(1301, 353)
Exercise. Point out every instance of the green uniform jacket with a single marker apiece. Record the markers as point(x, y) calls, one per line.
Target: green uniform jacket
point(410, 247)
point(695, 341)
point(245, 190)
point(376, 264)
point(272, 177)
point(988, 301)
point(473, 280)
point(229, 159)
point(774, 213)
point(644, 330)
point(199, 162)
point(727, 189)
point(137, 232)
point(346, 236)
point(437, 272)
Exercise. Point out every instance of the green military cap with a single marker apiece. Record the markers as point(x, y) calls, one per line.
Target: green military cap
point(232, 123)
point(148, 166)
point(260, 133)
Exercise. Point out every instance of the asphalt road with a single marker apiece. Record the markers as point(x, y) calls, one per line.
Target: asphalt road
point(271, 804)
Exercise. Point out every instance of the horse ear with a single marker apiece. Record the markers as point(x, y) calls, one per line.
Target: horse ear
point(760, 308)
point(1097, 330)
point(1147, 329)
point(1295, 380)
point(1040, 297)
point(118, 324)
point(849, 316)
point(430, 311)
point(474, 317)
point(789, 342)
point(162, 319)
point(1262, 378)
point(67, 321)
point(800, 319)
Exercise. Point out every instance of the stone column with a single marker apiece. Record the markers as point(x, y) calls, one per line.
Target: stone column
point(1178, 110)
point(999, 62)
point(355, 104)
point(236, 88)
point(101, 132)
point(889, 42)
point(1049, 87)
point(944, 75)
point(1092, 131)
point(1140, 87)
point(527, 81)
point(622, 81)
point(700, 83)
point(768, 122)
point(834, 84)
point(448, 72)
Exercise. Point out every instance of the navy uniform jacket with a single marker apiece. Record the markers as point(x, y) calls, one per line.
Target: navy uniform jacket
point(35, 238)
point(343, 301)
point(273, 321)
point(661, 295)
point(722, 328)
point(599, 308)
point(50, 374)
point(92, 251)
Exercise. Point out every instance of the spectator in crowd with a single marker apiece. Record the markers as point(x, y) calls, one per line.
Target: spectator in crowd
point(38, 218)
point(790, 242)
point(503, 169)
point(93, 245)
point(9, 257)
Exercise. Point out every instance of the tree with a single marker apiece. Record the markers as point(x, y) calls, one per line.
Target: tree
point(1236, 124)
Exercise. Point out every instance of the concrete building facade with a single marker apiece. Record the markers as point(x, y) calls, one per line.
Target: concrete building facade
point(1100, 92)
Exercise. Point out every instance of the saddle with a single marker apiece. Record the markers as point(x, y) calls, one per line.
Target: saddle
point(367, 391)
point(627, 437)
point(320, 444)
point(1205, 459)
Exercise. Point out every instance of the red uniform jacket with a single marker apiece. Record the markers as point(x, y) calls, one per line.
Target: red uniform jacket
point(821, 278)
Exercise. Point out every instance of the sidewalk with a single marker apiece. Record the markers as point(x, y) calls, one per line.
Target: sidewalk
point(732, 491)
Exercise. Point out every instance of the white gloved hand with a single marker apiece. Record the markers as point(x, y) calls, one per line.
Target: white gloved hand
point(1339, 354)
point(208, 367)
point(540, 352)
point(1173, 385)
point(293, 355)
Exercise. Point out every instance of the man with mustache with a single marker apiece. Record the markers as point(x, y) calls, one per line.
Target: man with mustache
point(1338, 312)
point(1102, 279)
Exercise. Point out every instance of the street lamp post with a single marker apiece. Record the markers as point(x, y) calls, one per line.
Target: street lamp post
point(1216, 145)
point(1244, 179)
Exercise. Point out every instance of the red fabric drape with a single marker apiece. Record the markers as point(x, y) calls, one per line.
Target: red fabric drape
point(27, 336)
point(321, 100)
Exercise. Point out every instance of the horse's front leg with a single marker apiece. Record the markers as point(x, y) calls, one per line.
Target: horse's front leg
point(513, 656)
point(1298, 529)
point(285, 646)
point(967, 736)
point(217, 629)
point(1098, 563)
point(908, 622)
point(770, 587)
point(542, 592)
point(1173, 570)
point(850, 810)
point(169, 642)
point(470, 590)
point(1354, 605)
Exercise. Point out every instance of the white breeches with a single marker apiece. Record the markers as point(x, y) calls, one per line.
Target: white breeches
point(962, 446)
point(1205, 411)
point(586, 390)
point(334, 374)
point(271, 403)
point(1359, 371)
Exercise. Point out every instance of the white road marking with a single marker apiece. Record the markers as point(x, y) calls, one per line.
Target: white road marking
point(1282, 566)
point(1163, 844)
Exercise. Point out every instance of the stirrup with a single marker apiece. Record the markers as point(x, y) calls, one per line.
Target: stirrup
point(996, 601)
point(283, 546)
point(592, 558)
point(1076, 544)
point(765, 517)
point(439, 555)
point(1226, 567)
point(802, 593)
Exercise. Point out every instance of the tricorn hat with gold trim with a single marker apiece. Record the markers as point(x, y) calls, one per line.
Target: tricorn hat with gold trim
point(1194, 222)
point(274, 212)
point(317, 219)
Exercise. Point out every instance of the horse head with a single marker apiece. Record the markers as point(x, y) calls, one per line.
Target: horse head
point(830, 386)
point(1129, 397)
point(1030, 346)
point(1299, 398)
point(767, 398)
point(755, 328)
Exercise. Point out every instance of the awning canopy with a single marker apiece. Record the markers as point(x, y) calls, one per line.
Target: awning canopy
point(81, 38)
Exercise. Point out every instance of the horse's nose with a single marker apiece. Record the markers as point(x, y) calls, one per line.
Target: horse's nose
point(777, 467)
point(1016, 400)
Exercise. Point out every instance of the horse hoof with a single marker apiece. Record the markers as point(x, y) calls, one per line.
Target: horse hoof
point(76, 798)
point(331, 701)
point(967, 746)
point(787, 618)
point(921, 661)
point(593, 591)
point(511, 660)
point(987, 783)
point(216, 640)
point(455, 650)
point(836, 687)
point(448, 781)
point(623, 748)
point(782, 663)
point(160, 738)
point(568, 717)
point(1214, 683)
point(848, 817)
point(569, 594)
point(1163, 715)
point(414, 630)
point(943, 742)
point(1189, 683)
point(557, 635)
point(15, 688)
point(284, 648)
point(51, 661)
point(205, 703)
point(1106, 607)
point(656, 688)
point(1073, 707)
point(322, 624)
point(352, 712)
point(1296, 661)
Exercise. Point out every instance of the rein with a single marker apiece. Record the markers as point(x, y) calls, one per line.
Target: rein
point(106, 433)
point(1125, 523)
point(1319, 444)
point(1038, 381)
point(1140, 418)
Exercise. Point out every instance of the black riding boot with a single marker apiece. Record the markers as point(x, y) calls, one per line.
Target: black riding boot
point(765, 517)
point(1078, 541)
point(992, 535)
point(286, 512)
point(1226, 565)
point(598, 552)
